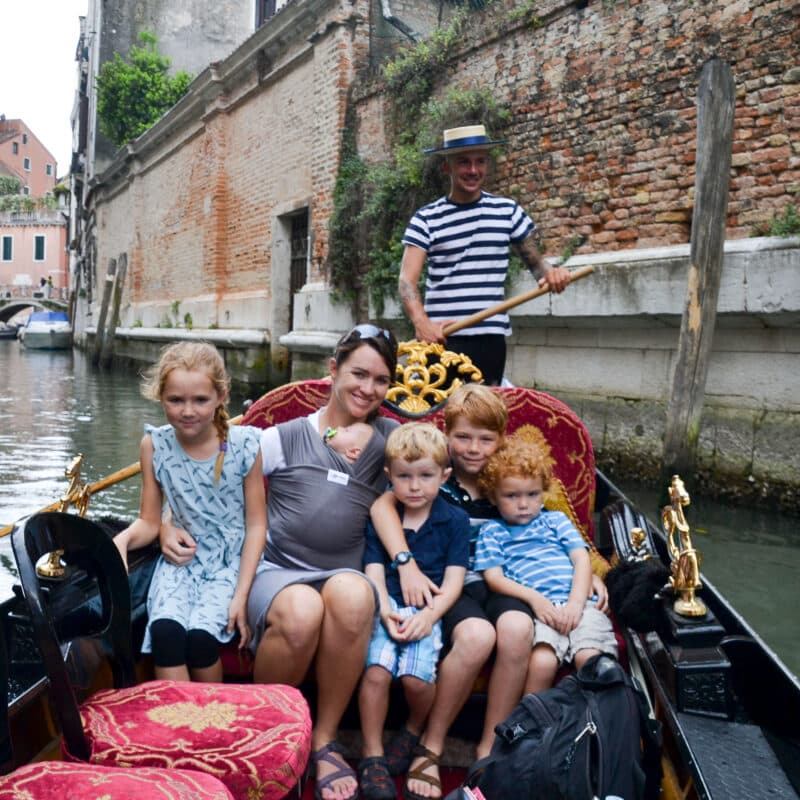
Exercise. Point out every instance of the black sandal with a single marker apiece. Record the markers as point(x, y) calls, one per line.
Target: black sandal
point(374, 779)
point(400, 751)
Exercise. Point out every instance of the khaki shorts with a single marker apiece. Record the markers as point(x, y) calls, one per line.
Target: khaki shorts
point(594, 632)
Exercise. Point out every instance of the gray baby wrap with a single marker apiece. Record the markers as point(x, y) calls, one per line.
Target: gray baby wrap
point(318, 504)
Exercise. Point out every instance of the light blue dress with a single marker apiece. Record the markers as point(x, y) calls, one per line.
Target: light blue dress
point(198, 594)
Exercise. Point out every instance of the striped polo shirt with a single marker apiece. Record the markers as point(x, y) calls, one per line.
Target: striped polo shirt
point(467, 249)
point(535, 555)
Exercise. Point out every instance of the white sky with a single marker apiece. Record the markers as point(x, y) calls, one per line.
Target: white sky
point(38, 71)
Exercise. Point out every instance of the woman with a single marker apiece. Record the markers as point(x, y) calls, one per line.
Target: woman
point(310, 600)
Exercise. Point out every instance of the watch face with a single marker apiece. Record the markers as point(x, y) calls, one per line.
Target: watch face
point(403, 558)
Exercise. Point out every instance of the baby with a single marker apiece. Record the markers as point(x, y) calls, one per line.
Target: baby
point(348, 441)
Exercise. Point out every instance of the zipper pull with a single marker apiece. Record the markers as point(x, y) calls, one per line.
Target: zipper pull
point(590, 727)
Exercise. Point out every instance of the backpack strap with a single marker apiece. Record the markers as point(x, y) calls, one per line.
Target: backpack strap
point(651, 745)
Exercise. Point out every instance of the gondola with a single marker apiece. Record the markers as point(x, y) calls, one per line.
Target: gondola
point(727, 704)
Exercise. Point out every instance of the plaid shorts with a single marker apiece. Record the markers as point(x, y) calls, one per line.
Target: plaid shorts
point(417, 659)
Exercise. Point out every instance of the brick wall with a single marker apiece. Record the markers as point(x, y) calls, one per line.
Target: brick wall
point(196, 208)
point(603, 102)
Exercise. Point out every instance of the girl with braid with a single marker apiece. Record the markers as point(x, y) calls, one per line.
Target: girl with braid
point(208, 478)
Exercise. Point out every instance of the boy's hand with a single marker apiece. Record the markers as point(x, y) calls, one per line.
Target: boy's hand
point(599, 588)
point(544, 610)
point(570, 616)
point(237, 618)
point(417, 626)
point(418, 589)
point(392, 622)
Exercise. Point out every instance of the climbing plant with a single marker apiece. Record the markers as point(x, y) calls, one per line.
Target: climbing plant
point(133, 94)
point(373, 202)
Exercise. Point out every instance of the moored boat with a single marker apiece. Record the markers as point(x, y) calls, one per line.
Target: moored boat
point(47, 330)
point(8, 331)
point(725, 700)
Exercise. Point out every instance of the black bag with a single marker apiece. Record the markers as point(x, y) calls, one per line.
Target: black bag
point(588, 737)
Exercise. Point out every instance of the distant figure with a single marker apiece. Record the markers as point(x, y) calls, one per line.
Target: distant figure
point(49, 285)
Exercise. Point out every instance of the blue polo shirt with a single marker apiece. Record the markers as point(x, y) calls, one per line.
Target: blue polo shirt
point(442, 541)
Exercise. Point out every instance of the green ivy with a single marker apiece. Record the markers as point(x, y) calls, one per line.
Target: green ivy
point(787, 224)
point(133, 94)
point(9, 185)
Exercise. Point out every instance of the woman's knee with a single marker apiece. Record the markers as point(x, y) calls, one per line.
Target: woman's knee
point(296, 616)
point(349, 600)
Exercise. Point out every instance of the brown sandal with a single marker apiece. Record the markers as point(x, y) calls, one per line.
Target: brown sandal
point(419, 774)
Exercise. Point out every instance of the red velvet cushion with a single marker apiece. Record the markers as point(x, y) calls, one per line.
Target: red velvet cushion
point(45, 780)
point(254, 738)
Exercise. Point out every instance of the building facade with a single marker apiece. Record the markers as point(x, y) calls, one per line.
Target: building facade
point(26, 158)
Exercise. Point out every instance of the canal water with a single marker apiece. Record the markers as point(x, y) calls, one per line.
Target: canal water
point(54, 405)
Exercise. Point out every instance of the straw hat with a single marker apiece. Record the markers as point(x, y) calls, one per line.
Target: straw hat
point(470, 137)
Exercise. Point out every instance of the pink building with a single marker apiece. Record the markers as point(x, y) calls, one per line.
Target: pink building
point(26, 158)
point(32, 248)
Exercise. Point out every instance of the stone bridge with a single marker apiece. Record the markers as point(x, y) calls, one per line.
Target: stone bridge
point(14, 299)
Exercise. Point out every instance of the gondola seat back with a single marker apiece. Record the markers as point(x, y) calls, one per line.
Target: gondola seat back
point(254, 739)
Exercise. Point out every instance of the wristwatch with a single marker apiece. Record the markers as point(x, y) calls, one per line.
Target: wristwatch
point(403, 557)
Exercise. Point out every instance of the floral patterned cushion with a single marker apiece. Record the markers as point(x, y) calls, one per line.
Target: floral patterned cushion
point(253, 738)
point(45, 780)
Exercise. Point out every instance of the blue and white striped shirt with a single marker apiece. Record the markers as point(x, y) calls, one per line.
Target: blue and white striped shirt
point(467, 249)
point(535, 555)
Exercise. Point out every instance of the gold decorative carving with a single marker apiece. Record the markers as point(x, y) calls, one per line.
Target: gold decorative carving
point(685, 560)
point(427, 375)
point(639, 551)
point(196, 717)
point(77, 494)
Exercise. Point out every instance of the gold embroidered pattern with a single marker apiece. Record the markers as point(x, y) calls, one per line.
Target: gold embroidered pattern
point(196, 718)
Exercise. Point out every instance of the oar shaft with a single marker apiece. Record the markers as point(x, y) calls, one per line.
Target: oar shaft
point(468, 322)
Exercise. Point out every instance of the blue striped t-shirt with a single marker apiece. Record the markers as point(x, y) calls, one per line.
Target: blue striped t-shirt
point(535, 555)
point(467, 249)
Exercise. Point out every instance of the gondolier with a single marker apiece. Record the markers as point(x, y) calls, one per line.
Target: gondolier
point(465, 238)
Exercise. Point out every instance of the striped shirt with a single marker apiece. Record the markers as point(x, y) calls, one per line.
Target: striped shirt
point(467, 249)
point(535, 555)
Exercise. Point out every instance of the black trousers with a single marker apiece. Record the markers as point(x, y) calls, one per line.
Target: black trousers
point(486, 351)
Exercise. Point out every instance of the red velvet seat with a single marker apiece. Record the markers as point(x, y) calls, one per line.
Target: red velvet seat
point(255, 738)
point(45, 780)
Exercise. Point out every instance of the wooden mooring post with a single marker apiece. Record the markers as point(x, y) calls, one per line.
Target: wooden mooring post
point(100, 328)
point(716, 101)
point(109, 337)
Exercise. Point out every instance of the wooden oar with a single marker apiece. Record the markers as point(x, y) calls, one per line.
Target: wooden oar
point(98, 486)
point(510, 303)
